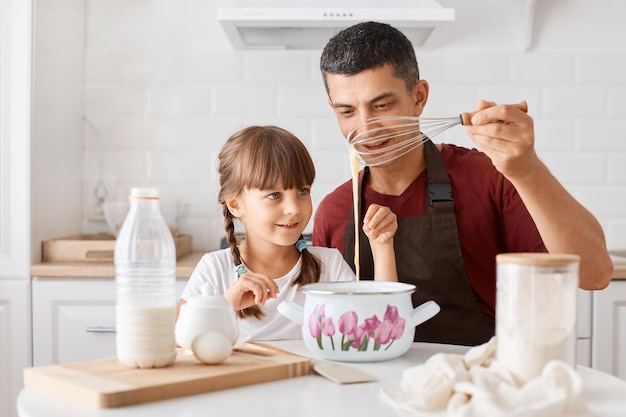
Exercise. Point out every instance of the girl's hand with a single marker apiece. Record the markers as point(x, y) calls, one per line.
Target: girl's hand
point(251, 289)
point(380, 224)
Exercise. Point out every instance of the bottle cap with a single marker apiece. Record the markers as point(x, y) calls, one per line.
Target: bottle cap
point(537, 259)
point(144, 193)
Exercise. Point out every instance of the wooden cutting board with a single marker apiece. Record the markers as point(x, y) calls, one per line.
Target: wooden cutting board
point(96, 248)
point(105, 383)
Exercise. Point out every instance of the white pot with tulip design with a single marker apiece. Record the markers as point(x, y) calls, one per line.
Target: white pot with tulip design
point(358, 321)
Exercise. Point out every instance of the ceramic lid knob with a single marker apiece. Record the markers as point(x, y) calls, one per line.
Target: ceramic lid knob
point(208, 299)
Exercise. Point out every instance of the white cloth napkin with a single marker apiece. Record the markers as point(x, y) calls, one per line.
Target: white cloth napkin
point(476, 385)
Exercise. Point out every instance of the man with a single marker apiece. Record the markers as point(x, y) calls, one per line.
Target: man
point(457, 208)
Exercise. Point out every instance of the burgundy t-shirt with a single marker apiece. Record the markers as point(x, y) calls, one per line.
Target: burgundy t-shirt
point(490, 215)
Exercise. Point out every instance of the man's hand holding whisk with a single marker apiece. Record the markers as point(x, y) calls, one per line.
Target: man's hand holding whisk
point(505, 133)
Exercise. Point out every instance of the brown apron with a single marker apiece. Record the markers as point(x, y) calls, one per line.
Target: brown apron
point(428, 255)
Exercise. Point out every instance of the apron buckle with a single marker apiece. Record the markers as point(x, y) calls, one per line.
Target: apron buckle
point(439, 192)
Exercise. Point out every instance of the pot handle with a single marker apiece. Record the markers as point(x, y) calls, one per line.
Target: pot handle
point(292, 311)
point(424, 312)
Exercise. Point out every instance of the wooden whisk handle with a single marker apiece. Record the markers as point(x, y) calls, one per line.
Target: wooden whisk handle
point(466, 118)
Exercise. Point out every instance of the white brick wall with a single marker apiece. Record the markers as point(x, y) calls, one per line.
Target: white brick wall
point(163, 90)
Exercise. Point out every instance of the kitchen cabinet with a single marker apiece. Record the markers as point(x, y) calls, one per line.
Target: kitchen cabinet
point(15, 103)
point(74, 319)
point(14, 341)
point(609, 329)
point(64, 311)
point(583, 328)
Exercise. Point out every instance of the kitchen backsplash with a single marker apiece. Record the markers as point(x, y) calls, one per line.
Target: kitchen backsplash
point(162, 90)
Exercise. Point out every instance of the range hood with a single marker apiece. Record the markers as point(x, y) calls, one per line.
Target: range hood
point(291, 24)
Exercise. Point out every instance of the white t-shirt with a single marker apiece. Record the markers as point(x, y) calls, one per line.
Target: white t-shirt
point(218, 269)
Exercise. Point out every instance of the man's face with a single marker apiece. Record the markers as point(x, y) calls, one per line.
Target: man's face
point(374, 93)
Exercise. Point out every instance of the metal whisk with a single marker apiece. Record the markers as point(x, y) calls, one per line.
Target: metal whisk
point(380, 140)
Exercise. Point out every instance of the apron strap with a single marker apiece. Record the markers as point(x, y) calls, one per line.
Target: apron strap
point(439, 189)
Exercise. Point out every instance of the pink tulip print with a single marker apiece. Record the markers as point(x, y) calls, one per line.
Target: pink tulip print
point(372, 331)
point(320, 325)
point(390, 329)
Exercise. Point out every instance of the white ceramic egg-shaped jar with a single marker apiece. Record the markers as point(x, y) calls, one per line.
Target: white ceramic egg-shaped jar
point(207, 311)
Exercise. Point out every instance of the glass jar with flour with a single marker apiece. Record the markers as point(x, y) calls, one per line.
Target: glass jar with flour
point(535, 311)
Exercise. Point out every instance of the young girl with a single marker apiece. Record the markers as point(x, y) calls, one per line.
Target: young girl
point(266, 175)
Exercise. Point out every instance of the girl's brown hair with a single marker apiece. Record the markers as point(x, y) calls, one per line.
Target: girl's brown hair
point(260, 157)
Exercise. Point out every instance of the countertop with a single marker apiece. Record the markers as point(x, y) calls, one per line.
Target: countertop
point(184, 268)
point(310, 395)
point(186, 265)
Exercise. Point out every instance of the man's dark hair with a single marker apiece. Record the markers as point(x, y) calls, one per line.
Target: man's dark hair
point(366, 46)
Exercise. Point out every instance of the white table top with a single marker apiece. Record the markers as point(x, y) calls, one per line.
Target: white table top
point(310, 395)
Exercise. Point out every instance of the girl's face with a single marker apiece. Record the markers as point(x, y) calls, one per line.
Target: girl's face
point(276, 216)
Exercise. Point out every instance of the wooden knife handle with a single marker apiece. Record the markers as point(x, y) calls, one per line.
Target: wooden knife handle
point(265, 347)
point(466, 118)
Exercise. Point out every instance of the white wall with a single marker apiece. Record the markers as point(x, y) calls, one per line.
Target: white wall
point(163, 90)
point(57, 126)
